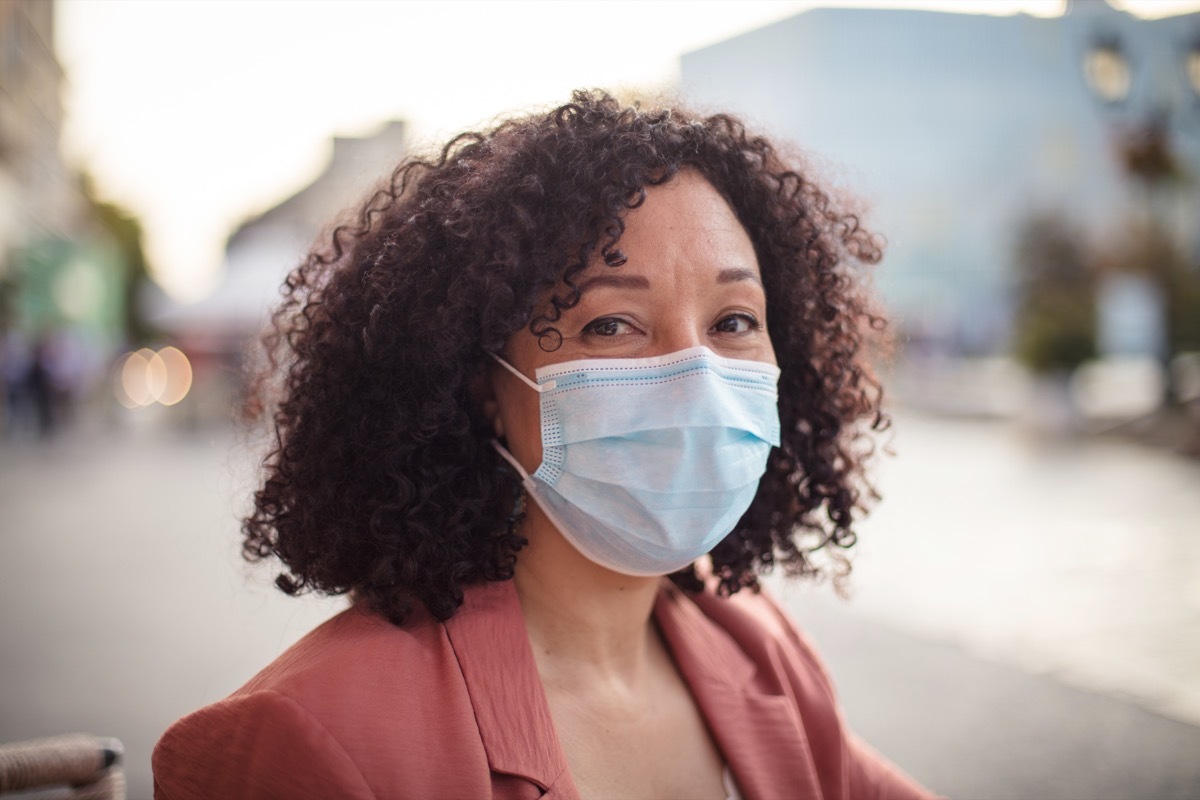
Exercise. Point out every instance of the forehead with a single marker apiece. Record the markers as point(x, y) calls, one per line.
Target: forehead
point(686, 220)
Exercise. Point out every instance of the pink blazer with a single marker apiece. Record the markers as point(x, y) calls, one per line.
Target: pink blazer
point(360, 708)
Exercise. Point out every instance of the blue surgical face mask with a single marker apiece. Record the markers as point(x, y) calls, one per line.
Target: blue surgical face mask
point(648, 463)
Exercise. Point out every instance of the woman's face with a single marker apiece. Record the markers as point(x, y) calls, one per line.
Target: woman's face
point(691, 279)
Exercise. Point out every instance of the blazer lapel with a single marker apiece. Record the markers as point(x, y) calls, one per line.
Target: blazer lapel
point(757, 728)
point(492, 647)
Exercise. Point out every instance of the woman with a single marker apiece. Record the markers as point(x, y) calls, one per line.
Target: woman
point(574, 354)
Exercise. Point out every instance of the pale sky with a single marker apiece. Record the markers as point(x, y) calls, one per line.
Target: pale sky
point(196, 114)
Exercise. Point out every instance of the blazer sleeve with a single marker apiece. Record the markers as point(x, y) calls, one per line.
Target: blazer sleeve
point(870, 775)
point(253, 747)
point(867, 775)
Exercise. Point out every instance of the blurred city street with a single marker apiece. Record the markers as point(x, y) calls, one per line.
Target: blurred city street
point(1023, 615)
point(1023, 622)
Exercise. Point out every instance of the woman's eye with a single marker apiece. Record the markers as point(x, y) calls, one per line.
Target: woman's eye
point(736, 323)
point(609, 326)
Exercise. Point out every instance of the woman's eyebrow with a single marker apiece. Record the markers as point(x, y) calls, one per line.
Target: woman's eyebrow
point(616, 281)
point(738, 274)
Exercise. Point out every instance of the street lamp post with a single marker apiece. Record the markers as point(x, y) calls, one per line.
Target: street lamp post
point(1149, 108)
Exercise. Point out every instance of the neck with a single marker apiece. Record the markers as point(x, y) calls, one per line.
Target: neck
point(584, 621)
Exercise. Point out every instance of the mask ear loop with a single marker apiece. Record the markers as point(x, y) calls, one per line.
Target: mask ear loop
point(512, 461)
point(539, 388)
point(499, 448)
point(516, 514)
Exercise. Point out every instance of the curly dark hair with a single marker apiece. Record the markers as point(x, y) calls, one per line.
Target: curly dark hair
point(381, 479)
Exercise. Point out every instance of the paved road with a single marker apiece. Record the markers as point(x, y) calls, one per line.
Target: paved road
point(972, 728)
point(1077, 561)
point(123, 604)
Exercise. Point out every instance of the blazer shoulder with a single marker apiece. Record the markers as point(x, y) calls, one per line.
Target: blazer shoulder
point(357, 692)
point(255, 745)
point(359, 672)
point(348, 654)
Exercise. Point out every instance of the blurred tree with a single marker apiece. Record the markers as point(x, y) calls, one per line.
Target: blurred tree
point(126, 232)
point(1056, 297)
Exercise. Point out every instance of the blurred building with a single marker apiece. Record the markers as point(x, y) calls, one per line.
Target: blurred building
point(261, 252)
point(62, 276)
point(956, 128)
point(38, 197)
point(264, 249)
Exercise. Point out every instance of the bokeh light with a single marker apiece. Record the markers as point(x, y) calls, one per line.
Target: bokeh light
point(146, 377)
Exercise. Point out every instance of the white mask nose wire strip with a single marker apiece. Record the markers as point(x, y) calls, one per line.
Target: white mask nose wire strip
point(545, 387)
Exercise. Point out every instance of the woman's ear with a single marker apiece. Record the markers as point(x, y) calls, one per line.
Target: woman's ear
point(484, 395)
point(491, 412)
